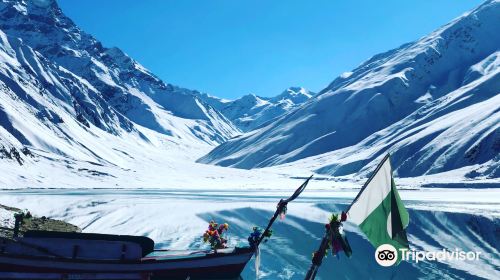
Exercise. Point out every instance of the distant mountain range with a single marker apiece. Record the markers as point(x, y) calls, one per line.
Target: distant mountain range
point(250, 111)
point(433, 103)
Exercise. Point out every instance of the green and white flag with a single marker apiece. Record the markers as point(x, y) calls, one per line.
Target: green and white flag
point(379, 211)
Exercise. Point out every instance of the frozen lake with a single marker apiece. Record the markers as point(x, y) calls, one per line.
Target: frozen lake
point(176, 219)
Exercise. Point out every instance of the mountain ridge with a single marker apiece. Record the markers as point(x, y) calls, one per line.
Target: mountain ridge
point(119, 81)
point(382, 91)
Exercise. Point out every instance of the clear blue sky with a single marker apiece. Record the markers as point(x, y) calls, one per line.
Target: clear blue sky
point(229, 48)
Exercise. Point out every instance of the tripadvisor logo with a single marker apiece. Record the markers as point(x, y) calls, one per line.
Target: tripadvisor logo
point(387, 255)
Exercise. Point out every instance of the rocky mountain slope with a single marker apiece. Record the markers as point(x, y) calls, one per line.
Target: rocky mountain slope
point(111, 84)
point(62, 92)
point(433, 103)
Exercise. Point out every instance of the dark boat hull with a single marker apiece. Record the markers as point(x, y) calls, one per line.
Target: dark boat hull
point(210, 266)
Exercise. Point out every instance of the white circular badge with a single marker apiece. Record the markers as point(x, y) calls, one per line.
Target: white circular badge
point(386, 255)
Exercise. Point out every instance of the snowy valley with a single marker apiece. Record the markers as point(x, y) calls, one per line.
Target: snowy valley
point(90, 136)
point(74, 107)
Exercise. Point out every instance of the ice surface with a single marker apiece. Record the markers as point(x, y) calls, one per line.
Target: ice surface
point(177, 218)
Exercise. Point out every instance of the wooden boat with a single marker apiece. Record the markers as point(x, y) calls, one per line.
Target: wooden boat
point(62, 255)
point(57, 255)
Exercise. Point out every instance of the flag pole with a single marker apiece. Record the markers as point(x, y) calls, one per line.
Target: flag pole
point(320, 253)
point(281, 205)
point(281, 208)
point(368, 181)
point(331, 240)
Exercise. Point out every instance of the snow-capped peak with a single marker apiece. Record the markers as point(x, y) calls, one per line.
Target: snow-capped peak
point(251, 111)
point(296, 95)
point(252, 100)
point(45, 8)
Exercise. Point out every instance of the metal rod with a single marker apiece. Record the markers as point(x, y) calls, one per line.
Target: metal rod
point(278, 210)
point(318, 258)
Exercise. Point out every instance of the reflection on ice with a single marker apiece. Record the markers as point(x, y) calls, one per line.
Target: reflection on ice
point(177, 219)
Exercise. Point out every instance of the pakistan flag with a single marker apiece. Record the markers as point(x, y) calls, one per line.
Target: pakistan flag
point(379, 211)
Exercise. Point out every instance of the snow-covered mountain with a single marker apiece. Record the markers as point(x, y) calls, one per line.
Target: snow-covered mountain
point(112, 85)
point(434, 103)
point(62, 92)
point(250, 111)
